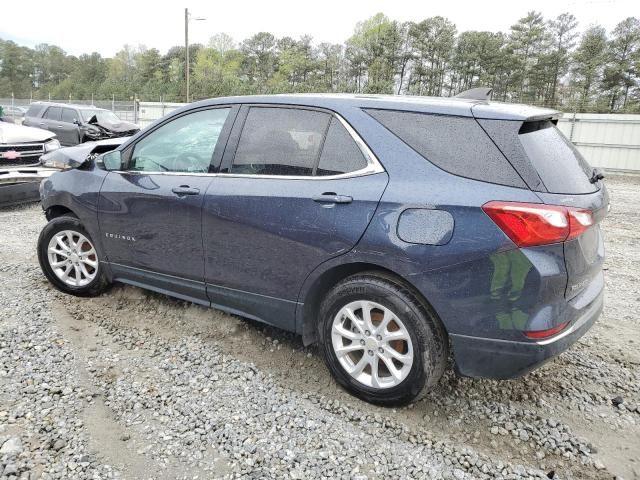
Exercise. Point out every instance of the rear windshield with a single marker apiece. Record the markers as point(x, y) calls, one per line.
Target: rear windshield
point(560, 166)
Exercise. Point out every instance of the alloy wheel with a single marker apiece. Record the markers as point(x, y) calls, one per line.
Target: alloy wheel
point(372, 344)
point(73, 258)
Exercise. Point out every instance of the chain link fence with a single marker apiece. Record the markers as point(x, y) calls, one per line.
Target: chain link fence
point(139, 112)
point(607, 140)
point(144, 112)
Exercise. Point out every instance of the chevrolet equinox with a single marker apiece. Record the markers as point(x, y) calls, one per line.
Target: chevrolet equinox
point(389, 230)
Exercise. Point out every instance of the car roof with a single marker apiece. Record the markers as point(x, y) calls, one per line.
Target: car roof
point(68, 105)
point(437, 105)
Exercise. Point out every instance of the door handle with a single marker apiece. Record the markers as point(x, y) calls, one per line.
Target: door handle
point(185, 190)
point(331, 197)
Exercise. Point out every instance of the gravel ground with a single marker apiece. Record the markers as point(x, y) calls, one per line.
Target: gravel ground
point(137, 385)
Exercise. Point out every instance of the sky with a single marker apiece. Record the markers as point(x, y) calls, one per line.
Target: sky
point(105, 26)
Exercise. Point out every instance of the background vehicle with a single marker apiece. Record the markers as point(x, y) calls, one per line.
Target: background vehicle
point(385, 228)
point(20, 151)
point(12, 113)
point(74, 124)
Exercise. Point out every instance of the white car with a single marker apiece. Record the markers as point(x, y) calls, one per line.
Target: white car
point(20, 170)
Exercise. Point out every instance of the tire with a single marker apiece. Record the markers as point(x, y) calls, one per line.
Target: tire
point(413, 331)
point(92, 280)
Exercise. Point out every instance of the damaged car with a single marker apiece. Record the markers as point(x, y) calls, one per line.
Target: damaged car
point(74, 124)
point(20, 169)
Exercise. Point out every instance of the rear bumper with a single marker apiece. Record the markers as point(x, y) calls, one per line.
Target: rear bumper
point(502, 359)
point(22, 185)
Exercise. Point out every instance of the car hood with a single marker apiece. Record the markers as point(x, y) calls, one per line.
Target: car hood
point(13, 133)
point(118, 127)
point(75, 156)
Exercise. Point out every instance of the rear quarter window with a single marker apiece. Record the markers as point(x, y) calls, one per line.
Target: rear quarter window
point(457, 145)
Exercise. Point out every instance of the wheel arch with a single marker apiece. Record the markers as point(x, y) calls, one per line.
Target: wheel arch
point(55, 211)
point(320, 286)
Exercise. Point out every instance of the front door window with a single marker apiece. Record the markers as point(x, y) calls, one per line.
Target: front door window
point(185, 144)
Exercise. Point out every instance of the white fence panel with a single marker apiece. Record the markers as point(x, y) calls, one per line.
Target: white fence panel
point(610, 141)
point(149, 112)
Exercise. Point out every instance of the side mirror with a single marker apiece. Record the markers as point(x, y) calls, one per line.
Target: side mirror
point(111, 160)
point(76, 121)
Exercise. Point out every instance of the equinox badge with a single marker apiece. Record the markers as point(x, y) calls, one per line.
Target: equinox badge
point(128, 238)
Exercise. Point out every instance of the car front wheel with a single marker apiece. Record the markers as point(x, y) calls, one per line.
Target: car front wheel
point(380, 341)
point(69, 259)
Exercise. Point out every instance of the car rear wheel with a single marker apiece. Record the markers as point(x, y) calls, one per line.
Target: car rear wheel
point(380, 341)
point(69, 259)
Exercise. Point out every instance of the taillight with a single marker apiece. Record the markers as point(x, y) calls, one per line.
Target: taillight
point(579, 221)
point(531, 224)
point(540, 334)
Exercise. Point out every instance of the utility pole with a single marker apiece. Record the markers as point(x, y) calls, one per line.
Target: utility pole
point(186, 48)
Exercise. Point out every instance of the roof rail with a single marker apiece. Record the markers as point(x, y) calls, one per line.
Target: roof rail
point(480, 93)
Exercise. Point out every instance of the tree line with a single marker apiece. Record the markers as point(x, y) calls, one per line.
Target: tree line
point(539, 61)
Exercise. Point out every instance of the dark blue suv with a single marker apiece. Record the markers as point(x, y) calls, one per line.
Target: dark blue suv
point(387, 229)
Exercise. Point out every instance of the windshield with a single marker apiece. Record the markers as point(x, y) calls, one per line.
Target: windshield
point(103, 116)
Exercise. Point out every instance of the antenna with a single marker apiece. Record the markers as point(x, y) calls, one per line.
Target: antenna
point(480, 93)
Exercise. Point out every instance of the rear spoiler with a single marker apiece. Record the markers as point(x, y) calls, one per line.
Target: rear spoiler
point(552, 117)
point(511, 111)
point(505, 111)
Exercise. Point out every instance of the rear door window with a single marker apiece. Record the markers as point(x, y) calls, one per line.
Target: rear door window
point(457, 145)
point(53, 113)
point(280, 141)
point(560, 166)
